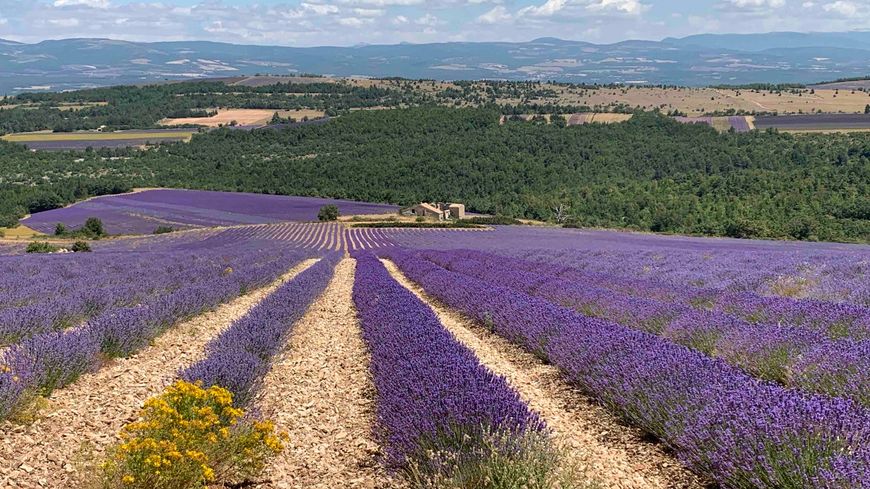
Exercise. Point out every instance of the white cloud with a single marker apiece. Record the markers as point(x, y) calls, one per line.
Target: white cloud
point(549, 8)
point(319, 9)
point(68, 22)
point(498, 15)
point(381, 3)
point(369, 12)
point(428, 19)
point(842, 7)
point(633, 7)
point(756, 4)
point(354, 21)
point(579, 8)
point(349, 22)
point(82, 3)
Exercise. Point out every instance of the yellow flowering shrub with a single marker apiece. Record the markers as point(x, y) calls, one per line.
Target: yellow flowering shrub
point(190, 436)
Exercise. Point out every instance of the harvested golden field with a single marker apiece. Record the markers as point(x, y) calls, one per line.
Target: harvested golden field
point(575, 119)
point(691, 101)
point(609, 118)
point(697, 101)
point(243, 117)
point(301, 113)
point(19, 232)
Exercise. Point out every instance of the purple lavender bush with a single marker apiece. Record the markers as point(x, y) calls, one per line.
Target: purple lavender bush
point(441, 415)
point(68, 290)
point(239, 357)
point(742, 432)
point(51, 360)
point(767, 351)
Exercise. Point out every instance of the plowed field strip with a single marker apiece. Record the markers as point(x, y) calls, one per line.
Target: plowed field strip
point(320, 391)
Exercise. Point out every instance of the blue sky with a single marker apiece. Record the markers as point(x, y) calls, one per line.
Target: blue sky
point(349, 22)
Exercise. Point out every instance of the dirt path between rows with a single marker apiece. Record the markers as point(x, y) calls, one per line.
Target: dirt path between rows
point(86, 417)
point(321, 393)
point(614, 455)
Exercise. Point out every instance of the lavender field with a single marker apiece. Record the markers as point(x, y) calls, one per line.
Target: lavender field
point(143, 212)
point(479, 355)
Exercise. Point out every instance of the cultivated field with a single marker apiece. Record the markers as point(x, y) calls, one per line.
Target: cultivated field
point(430, 358)
point(816, 122)
point(691, 101)
point(242, 117)
point(60, 106)
point(19, 232)
point(697, 101)
point(592, 117)
point(142, 212)
point(93, 139)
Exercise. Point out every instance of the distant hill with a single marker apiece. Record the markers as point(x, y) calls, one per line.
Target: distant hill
point(707, 59)
point(774, 40)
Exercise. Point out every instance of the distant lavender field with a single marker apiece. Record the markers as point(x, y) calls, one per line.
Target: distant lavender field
point(141, 213)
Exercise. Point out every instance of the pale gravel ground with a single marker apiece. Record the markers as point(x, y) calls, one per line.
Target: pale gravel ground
point(610, 453)
point(87, 416)
point(320, 392)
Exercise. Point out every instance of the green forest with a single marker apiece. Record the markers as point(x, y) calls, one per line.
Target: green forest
point(650, 173)
point(132, 107)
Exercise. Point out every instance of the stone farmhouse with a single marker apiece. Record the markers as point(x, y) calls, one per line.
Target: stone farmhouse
point(442, 211)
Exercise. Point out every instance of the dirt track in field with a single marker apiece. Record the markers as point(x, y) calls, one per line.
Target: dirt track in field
point(86, 417)
point(320, 392)
point(614, 455)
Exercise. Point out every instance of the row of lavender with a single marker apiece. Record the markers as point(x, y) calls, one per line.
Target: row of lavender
point(797, 356)
point(239, 357)
point(828, 274)
point(197, 433)
point(442, 417)
point(836, 319)
point(743, 432)
point(50, 293)
point(54, 359)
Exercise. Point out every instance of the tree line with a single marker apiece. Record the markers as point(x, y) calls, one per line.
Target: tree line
point(649, 173)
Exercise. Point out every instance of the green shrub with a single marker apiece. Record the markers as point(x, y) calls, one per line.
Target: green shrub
point(41, 247)
point(164, 230)
point(60, 229)
point(493, 220)
point(328, 213)
point(93, 228)
point(81, 247)
point(496, 460)
point(744, 228)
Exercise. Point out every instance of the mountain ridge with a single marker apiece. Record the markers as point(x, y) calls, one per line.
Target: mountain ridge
point(703, 59)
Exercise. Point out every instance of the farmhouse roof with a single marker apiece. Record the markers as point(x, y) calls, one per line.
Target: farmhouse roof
point(430, 207)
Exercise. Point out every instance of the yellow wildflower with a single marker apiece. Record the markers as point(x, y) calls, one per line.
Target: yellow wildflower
point(207, 472)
